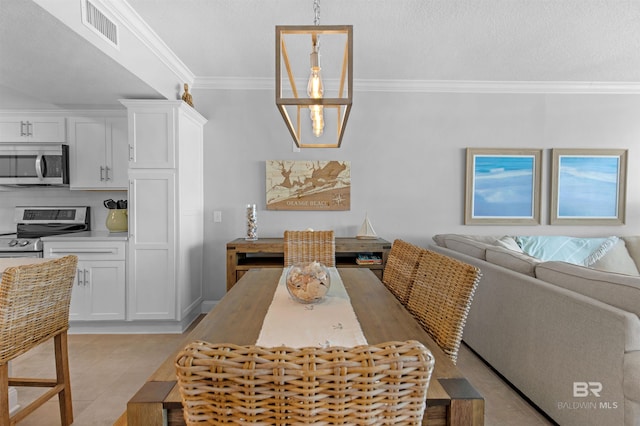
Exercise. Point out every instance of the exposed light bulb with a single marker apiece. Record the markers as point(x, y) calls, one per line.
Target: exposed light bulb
point(317, 118)
point(315, 90)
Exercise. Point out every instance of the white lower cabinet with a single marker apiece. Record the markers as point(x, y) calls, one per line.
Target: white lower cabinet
point(98, 292)
point(100, 282)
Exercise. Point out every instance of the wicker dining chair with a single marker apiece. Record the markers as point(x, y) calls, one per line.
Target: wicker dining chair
point(309, 246)
point(34, 307)
point(441, 297)
point(383, 384)
point(400, 269)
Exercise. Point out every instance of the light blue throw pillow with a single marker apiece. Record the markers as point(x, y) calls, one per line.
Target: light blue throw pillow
point(579, 251)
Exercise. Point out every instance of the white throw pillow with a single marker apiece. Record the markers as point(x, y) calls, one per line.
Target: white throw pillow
point(509, 243)
point(616, 259)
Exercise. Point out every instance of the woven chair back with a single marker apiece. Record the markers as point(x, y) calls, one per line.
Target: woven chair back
point(384, 384)
point(441, 297)
point(309, 246)
point(34, 304)
point(400, 269)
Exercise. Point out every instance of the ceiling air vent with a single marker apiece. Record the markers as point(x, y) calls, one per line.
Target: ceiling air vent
point(93, 18)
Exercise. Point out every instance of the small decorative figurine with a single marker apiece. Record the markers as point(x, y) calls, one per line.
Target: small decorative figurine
point(187, 96)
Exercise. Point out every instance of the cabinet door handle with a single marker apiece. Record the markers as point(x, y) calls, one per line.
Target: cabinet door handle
point(79, 279)
point(130, 152)
point(106, 169)
point(87, 276)
point(101, 173)
point(29, 128)
point(22, 133)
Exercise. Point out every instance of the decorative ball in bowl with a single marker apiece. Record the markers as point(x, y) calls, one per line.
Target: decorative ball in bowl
point(308, 282)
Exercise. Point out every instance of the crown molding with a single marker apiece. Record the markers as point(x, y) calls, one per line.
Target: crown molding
point(127, 16)
point(88, 111)
point(437, 86)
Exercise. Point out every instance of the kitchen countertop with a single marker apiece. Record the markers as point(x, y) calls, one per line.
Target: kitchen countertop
point(17, 261)
point(89, 236)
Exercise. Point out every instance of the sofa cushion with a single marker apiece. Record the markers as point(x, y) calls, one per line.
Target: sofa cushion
point(510, 259)
point(471, 245)
point(579, 251)
point(622, 291)
point(617, 259)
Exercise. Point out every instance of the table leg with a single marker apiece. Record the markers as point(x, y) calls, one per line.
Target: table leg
point(467, 405)
point(145, 408)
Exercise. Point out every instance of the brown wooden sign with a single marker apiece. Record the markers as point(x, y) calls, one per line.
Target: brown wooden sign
point(308, 185)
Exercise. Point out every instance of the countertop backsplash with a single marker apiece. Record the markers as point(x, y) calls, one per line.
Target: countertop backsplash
point(34, 197)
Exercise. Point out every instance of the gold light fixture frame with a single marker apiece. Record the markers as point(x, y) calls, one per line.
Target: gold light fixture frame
point(342, 104)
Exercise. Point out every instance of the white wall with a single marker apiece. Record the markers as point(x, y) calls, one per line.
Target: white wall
point(407, 154)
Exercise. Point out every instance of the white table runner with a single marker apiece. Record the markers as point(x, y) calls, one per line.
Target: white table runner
point(331, 322)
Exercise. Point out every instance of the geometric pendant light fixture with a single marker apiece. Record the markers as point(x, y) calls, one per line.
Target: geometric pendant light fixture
point(314, 81)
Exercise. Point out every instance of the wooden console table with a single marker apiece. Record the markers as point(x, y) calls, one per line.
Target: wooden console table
point(243, 255)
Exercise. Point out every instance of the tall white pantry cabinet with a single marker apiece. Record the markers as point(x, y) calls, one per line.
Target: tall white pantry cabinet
point(166, 210)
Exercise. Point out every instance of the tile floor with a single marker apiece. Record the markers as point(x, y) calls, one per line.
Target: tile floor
point(106, 370)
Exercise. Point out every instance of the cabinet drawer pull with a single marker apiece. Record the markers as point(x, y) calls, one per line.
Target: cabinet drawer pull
point(83, 250)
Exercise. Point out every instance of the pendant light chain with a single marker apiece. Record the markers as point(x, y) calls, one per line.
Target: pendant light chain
point(316, 11)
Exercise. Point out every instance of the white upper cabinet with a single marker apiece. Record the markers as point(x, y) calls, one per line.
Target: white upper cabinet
point(152, 136)
point(32, 129)
point(98, 153)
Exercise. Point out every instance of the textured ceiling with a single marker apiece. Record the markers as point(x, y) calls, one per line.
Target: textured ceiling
point(45, 61)
point(494, 40)
point(471, 40)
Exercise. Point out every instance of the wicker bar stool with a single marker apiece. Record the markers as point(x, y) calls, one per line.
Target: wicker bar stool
point(400, 269)
point(441, 297)
point(34, 307)
point(309, 246)
point(384, 384)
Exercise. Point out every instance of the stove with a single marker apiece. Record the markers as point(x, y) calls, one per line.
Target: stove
point(36, 222)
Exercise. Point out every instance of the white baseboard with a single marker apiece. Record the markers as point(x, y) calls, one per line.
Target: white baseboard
point(208, 305)
point(13, 401)
point(141, 327)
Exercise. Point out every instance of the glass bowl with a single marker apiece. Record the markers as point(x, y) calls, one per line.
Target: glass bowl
point(308, 282)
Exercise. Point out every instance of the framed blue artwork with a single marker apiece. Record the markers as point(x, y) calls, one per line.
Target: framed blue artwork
point(588, 186)
point(503, 186)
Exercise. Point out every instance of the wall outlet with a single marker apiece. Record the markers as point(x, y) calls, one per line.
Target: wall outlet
point(217, 216)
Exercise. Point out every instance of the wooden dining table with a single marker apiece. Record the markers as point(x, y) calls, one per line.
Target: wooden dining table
point(238, 318)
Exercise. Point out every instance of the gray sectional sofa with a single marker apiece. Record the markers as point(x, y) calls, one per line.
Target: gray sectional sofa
point(564, 334)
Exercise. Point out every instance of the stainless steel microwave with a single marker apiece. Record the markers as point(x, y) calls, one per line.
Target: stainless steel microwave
point(30, 164)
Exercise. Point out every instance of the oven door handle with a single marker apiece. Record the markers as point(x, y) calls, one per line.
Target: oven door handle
point(40, 166)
